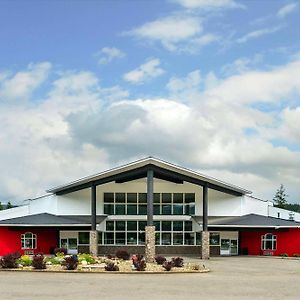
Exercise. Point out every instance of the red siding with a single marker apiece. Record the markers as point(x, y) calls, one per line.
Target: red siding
point(10, 239)
point(287, 241)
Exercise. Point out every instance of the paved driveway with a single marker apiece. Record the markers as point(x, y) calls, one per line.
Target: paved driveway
point(231, 278)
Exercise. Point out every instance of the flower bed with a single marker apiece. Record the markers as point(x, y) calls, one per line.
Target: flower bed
point(85, 263)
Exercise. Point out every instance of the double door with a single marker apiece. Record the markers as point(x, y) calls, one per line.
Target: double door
point(229, 246)
point(70, 244)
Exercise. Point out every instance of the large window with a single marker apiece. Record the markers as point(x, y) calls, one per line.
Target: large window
point(28, 240)
point(136, 203)
point(268, 241)
point(133, 233)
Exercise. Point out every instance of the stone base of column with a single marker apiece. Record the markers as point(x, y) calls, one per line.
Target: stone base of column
point(205, 245)
point(150, 244)
point(94, 242)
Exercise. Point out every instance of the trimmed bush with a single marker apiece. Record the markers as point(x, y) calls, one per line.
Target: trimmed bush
point(284, 255)
point(296, 255)
point(160, 259)
point(87, 257)
point(9, 261)
point(123, 254)
point(25, 260)
point(60, 251)
point(168, 265)
point(71, 262)
point(38, 262)
point(177, 262)
point(139, 262)
point(111, 267)
point(54, 260)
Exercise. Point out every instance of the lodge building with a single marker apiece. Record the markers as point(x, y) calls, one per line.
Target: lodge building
point(150, 203)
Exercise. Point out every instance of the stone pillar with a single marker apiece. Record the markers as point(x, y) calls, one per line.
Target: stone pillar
point(205, 245)
point(94, 242)
point(150, 244)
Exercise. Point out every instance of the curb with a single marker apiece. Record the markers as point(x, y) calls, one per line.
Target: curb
point(105, 272)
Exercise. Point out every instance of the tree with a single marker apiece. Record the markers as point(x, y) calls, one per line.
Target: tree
point(8, 205)
point(280, 197)
point(1, 206)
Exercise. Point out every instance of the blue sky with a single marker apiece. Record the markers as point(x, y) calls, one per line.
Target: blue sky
point(212, 84)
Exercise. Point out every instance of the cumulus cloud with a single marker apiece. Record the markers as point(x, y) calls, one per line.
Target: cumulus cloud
point(150, 69)
point(108, 54)
point(23, 83)
point(287, 9)
point(72, 130)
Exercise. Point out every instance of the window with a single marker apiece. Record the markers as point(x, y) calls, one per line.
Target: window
point(83, 238)
point(28, 240)
point(268, 241)
point(214, 239)
point(136, 203)
point(133, 233)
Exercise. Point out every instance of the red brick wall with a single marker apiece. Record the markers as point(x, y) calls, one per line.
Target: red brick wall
point(288, 241)
point(10, 239)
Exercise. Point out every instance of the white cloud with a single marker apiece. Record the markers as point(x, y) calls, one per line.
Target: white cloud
point(108, 54)
point(258, 33)
point(22, 84)
point(286, 10)
point(169, 31)
point(208, 4)
point(72, 130)
point(150, 69)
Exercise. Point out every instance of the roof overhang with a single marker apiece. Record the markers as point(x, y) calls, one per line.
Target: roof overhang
point(138, 169)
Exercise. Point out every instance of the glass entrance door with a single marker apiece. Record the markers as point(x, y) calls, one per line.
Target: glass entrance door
point(225, 246)
point(70, 244)
point(229, 247)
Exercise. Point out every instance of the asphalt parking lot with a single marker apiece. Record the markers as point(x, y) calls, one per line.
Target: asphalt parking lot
point(230, 278)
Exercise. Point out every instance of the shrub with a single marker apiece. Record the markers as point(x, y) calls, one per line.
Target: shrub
point(139, 262)
point(25, 260)
point(140, 265)
point(196, 267)
point(60, 251)
point(284, 255)
point(160, 259)
point(296, 255)
point(54, 260)
point(71, 262)
point(123, 254)
point(177, 262)
point(38, 262)
point(111, 267)
point(109, 256)
point(87, 257)
point(9, 261)
point(168, 265)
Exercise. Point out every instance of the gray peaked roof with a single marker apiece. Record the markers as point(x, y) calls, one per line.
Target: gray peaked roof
point(250, 220)
point(246, 221)
point(101, 177)
point(46, 219)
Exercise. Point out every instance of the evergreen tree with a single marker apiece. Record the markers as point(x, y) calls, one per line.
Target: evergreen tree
point(8, 205)
point(280, 197)
point(1, 206)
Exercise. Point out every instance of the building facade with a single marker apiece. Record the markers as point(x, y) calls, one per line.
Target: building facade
point(184, 204)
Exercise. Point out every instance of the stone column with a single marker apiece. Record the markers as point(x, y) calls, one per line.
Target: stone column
point(150, 244)
point(205, 245)
point(94, 242)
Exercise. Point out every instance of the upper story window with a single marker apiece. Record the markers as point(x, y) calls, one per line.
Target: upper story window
point(136, 203)
point(268, 241)
point(28, 240)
